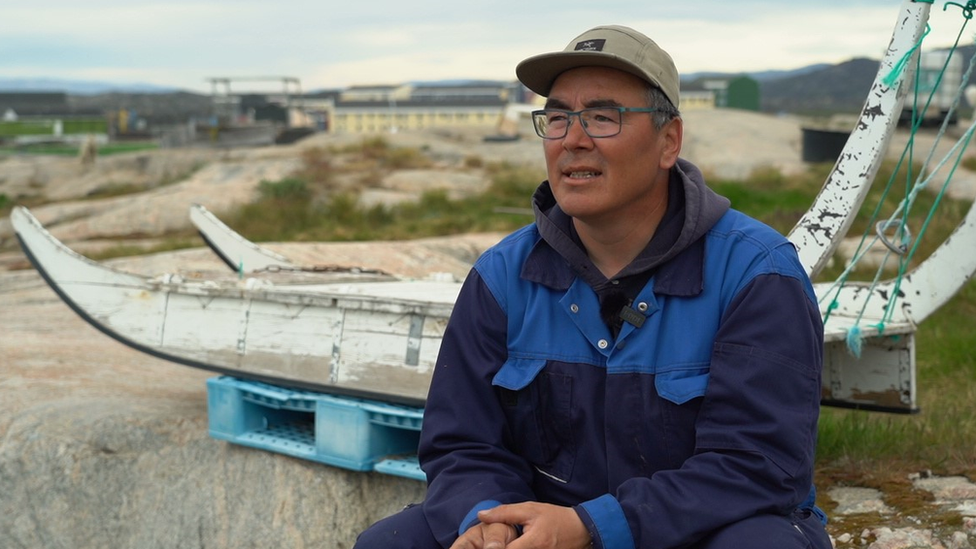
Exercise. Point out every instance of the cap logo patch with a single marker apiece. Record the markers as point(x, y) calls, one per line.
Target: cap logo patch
point(591, 45)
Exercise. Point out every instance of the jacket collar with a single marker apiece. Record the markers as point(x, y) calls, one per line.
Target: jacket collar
point(681, 276)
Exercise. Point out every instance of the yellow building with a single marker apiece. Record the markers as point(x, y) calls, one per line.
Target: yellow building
point(697, 100)
point(370, 117)
point(370, 109)
point(722, 92)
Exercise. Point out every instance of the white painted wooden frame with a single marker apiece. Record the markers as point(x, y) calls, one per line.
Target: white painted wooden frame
point(370, 339)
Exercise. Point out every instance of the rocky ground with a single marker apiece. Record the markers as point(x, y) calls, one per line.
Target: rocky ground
point(103, 446)
point(863, 517)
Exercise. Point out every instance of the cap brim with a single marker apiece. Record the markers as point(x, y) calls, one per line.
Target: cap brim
point(540, 71)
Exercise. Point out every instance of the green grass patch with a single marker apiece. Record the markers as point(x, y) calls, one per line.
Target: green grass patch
point(124, 249)
point(86, 125)
point(406, 159)
point(72, 150)
point(290, 188)
point(46, 127)
point(118, 189)
point(969, 163)
point(773, 198)
point(285, 213)
point(307, 206)
point(13, 129)
point(379, 151)
point(8, 202)
point(317, 169)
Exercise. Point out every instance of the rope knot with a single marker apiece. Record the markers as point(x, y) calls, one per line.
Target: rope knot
point(967, 10)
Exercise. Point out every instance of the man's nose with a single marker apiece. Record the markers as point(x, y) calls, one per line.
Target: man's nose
point(576, 135)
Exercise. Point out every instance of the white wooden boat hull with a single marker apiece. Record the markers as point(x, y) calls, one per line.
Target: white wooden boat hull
point(368, 339)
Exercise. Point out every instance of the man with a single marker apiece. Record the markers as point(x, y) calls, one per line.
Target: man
point(639, 368)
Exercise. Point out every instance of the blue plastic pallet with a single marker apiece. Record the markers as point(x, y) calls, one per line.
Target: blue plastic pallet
point(352, 433)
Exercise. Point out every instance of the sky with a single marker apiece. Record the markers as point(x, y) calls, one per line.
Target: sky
point(330, 44)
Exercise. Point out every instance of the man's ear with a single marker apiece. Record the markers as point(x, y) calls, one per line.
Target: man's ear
point(672, 133)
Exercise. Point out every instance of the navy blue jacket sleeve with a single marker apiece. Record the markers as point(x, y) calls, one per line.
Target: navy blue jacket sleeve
point(464, 441)
point(755, 433)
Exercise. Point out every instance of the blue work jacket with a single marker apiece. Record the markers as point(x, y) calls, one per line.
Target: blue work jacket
point(703, 415)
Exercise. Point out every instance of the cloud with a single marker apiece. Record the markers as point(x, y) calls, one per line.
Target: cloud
point(775, 39)
point(182, 42)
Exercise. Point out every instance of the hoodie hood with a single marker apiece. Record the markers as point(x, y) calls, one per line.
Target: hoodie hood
point(688, 197)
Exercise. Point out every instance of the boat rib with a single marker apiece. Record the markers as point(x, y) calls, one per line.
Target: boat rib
point(240, 254)
point(821, 229)
point(920, 292)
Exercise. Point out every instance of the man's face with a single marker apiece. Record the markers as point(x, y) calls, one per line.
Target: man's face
point(609, 179)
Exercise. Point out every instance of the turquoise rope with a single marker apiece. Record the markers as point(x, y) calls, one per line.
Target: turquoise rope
point(967, 10)
point(889, 80)
point(899, 67)
point(855, 334)
point(913, 194)
point(967, 138)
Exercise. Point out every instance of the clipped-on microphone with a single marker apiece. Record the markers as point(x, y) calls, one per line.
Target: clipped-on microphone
point(632, 316)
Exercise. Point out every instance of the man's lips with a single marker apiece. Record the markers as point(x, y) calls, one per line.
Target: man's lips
point(583, 174)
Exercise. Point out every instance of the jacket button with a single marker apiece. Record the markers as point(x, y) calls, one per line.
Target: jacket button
point(642, 307)
point(602, 344)
point(574, 307)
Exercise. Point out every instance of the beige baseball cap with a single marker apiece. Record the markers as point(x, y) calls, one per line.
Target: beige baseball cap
point(611, 46)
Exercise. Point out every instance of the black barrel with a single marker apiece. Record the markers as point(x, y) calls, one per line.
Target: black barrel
point(823, 145)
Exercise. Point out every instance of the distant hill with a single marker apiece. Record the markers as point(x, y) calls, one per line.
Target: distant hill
point(156, 104)
point(831, 88)
point(834, 88)
point(760, 76)
point(814, 89)
point(76, 87)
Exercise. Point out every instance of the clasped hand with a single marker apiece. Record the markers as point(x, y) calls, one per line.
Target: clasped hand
point(544, 526)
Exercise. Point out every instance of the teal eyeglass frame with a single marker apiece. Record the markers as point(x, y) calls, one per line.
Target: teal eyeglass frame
point(540, 119)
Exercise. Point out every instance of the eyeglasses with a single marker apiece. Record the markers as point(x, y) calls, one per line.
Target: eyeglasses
point(597, 121)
